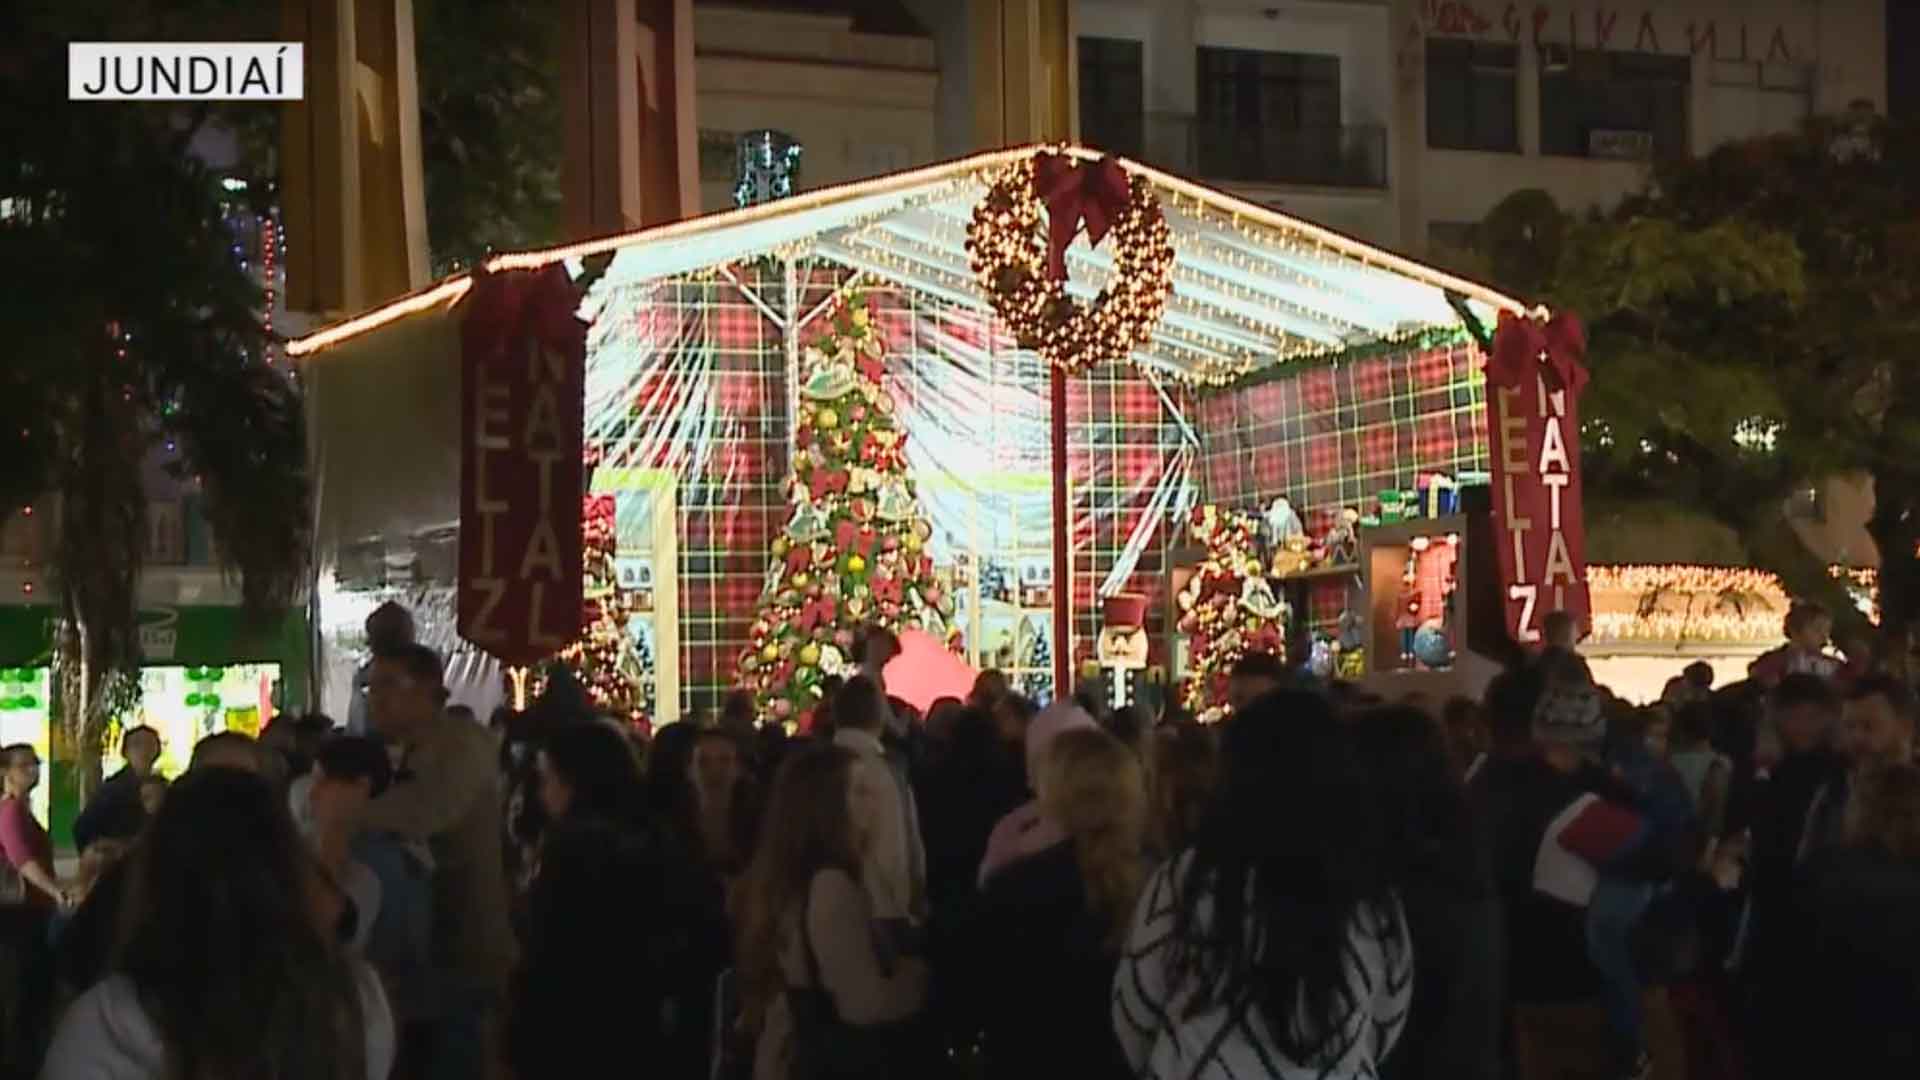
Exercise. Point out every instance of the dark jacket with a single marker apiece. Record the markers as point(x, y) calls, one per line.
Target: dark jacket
point(1460, 956)
point(114, 813)
point(1547, 938)
point(1858, 981)
point(590, 986)
point(961, 798)
point(1039, 974)
point(1779, 824)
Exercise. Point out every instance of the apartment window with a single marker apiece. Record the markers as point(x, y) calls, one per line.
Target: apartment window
point(1113, 95)
point(1472, 100)
point(1247, 88)
point(1273, 117)
point(1631, 106)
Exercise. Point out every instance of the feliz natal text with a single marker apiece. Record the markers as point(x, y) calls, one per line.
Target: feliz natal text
point(541, 441)
point(1553, 469)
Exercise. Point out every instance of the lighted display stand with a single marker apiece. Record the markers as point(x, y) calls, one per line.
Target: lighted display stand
point(1432, 604)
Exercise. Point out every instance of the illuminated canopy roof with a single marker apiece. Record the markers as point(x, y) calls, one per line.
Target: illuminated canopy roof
point(1252, 287)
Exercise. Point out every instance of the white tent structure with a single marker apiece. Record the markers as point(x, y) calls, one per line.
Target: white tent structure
point(1256, 295)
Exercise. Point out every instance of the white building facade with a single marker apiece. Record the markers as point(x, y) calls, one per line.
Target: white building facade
point(1405, 122)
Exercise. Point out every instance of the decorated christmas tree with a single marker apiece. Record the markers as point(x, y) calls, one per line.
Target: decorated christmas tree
point(854, 553)
point(604, 660)
point(1227, 609)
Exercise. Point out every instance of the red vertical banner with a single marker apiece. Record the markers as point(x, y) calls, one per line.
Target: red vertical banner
point(522, 391)
point(1534, 378)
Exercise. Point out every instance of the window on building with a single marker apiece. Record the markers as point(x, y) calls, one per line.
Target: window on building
point(1614, 105)
point(1113, 95)
point(1472, 98)
point(1248, 89)
point(1275, 116)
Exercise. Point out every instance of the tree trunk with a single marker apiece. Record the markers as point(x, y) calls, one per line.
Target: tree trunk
point(1896, 530)
point(97, 563)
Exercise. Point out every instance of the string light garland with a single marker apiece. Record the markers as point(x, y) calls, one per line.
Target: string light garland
point(1008, 250)
point(1688, 603)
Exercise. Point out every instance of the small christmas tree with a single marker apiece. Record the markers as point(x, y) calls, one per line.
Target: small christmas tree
point(855, 551)
point(604, 659)
point(1227, 609)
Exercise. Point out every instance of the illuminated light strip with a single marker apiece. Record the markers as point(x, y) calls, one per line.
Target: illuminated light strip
point(447, 292)
point(1364, 252)
point(454, 288)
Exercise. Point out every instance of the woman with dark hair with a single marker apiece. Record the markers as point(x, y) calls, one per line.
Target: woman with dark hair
point(721, 819)
point(229, 965)
point(1185, 766)
point(814, 991)
point(1275, 945)
point(592, 913)
point(1439, 863)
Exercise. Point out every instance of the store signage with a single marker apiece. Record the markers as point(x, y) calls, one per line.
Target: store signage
point(159, 634)
point(1647, 29)
point(522, 392)
point(1534, 379)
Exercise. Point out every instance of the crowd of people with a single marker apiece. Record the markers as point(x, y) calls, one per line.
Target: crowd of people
point(1544, 884)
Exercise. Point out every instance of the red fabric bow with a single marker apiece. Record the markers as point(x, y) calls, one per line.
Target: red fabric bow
point(823, 482)
point(816, 612)
point(850, 537)
point(1518, 343)
point(504, 305)
point(872, 368)
point(1095, 193)
point(886, 589)
point(799, 557)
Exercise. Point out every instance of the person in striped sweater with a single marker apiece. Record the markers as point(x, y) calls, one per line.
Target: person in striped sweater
point(1273, 946)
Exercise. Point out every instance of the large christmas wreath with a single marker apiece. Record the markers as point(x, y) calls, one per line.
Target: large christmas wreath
point(1023, 268)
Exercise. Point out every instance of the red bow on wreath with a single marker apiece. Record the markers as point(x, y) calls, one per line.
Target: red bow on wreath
point(1519, 343)
point(1094, 192)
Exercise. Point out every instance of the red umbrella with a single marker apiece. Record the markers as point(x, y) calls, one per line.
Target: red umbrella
point(926, 671)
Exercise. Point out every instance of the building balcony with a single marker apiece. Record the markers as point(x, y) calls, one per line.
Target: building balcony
point(1338, 156)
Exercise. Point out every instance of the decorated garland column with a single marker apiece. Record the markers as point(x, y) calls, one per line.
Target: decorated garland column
point(1227, 609)
point(854, 552)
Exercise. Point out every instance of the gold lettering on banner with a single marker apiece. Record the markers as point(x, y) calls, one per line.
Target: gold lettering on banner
point(482, 629)
point(1559, 561)
point(1513, 432)
point(489, 415)
point(1553, 448)
point(535, 633)
point(543, 552)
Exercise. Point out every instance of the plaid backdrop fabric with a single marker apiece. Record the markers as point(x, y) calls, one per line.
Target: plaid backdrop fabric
point(975, 407)
point(1122, 438)
point(1336, 435)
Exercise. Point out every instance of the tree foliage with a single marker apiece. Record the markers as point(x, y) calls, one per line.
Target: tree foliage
point(1753, 314)
point(130, 322)
point(490, 126)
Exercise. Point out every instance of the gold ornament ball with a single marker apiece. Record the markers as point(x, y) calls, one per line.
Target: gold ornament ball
point(855, 564)
point(780, 545)
point(826, 419)
point(912, 542)
point(1253, 625)
point(809, 654)
point(770, 653)
point(801, 579)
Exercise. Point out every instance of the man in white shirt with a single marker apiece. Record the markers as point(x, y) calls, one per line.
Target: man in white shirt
point(895, 870)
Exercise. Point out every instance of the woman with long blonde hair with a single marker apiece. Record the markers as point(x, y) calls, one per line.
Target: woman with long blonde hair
point(1040, 953)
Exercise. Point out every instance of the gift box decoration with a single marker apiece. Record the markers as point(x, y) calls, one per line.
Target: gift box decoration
point(1393, 507)
point(1439, 496)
